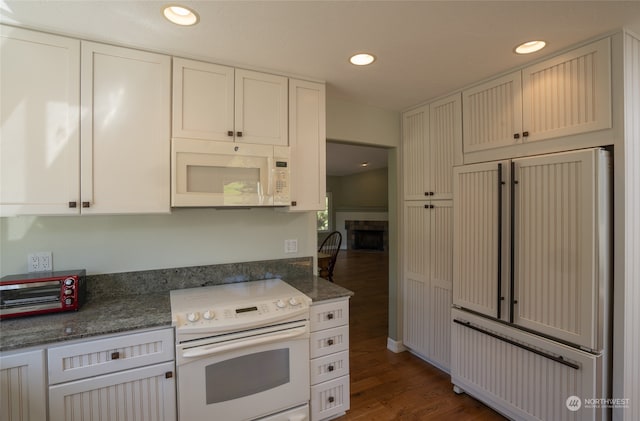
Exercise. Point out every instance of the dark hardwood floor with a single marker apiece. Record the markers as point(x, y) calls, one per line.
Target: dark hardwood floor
point(386, 385)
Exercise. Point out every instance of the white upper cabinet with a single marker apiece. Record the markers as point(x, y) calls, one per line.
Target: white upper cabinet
point(213, 102)
point(203, 100)
point(307, 138)
point(493, 113)
point(261, 108)
point(431, 146)
point(569, 94)
point(125, 153)
point(39, 132)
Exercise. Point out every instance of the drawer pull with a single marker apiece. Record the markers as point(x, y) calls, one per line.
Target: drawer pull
point(115, 355)
point(330, 316)
point(168, 374)
point(331, 399)
point(329, 342)
point(331, 368)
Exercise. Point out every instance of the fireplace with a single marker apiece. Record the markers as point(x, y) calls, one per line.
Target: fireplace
point(367, 235)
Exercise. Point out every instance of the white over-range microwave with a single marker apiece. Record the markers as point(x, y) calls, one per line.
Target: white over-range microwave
point(208, 173)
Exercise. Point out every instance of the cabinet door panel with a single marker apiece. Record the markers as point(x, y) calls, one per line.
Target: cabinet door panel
point(23, 386)
point(142, 394)
point(556, 246)
point(445, 144)
point(417, 223)
point(40, 81)
point(125, 130)
point(203, 100)
point(415, 149)
point(261, 108)
point(307, 139)
point(492, 113)
point(569, 94)
point(480, 238)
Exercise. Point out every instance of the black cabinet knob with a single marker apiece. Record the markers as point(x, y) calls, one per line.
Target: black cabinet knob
point(516, 136)
point(330, 342)
point(331, 399)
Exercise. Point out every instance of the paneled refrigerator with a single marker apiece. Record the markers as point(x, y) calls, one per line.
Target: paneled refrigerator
point(532, 284)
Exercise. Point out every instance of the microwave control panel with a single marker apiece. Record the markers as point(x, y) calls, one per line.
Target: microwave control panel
point(281, 182)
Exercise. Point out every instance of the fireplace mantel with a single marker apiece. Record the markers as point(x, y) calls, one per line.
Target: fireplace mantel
point(367, 235)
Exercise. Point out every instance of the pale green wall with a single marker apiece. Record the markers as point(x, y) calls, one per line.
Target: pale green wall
point(187, 237)
point(367, 190)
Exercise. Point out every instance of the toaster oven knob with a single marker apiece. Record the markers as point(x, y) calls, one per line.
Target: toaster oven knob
point(208, 315)
point(68, 282)
point(68, 301)
point(193, 317)
point(68, 291)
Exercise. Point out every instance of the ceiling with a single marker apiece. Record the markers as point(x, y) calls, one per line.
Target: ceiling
point(345, 159)
point(424, 48)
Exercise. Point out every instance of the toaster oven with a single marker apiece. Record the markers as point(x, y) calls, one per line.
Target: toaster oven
point(44, 292)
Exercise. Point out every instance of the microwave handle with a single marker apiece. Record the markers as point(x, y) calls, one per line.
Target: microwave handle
point(244, 343)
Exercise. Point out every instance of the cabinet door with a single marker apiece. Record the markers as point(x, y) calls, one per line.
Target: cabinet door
point(261, 108)
point(40, 83)
point(125, 131)
point(440, 256)
point(203, 100)
point(568, 94)
point(559, 263)
point(307, 139)
point(142, 394)
point(445, 145)
point(417, 231)
point(492, 113)
point(415, 150)
point(23, 387)
point(480, 268)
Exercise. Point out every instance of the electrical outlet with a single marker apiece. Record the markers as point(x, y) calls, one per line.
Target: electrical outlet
point(291, 246)
point(41, 261)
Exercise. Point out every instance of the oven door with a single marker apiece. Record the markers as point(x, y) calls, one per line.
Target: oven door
point(236, 377)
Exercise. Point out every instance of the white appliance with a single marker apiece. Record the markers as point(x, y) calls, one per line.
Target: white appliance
point(217, 174)
point(532, 284)
point(242, 352)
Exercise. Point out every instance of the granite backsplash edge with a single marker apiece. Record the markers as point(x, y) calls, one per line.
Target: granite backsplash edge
point(113, 285)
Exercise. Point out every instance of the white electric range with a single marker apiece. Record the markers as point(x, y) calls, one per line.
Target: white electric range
point(242, 351)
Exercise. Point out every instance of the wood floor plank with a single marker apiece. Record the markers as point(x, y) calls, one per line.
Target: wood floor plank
point(386, 386)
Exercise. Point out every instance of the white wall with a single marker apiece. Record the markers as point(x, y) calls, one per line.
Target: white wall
point(359, 123)
point(187, 237)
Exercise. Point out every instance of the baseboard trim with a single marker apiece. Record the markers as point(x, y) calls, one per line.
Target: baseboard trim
point(395, 346)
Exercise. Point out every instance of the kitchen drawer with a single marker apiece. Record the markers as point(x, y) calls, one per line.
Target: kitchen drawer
point(116, 353)
point(328, 341)
point(329, 367)
point(330, 398)
point(325, 316)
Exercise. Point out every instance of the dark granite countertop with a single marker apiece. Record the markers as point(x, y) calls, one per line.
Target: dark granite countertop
point(130, 312)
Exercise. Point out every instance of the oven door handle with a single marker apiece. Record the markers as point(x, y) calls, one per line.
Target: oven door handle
point(244, 343)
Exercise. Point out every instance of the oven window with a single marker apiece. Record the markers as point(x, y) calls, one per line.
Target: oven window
point(247, 375)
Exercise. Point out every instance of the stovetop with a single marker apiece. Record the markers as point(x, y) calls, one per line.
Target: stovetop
point(207, 311)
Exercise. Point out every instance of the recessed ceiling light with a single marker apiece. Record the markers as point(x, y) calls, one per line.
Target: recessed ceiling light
point(364, 164)
point(530, 47)
point(362, 59)
point(180, 15)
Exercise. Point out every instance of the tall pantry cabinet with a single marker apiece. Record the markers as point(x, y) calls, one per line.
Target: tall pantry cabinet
point(431, 146)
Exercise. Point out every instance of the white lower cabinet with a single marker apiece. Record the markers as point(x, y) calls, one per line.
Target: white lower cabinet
point(126, 377)
point(329, 363)
point(23, 386)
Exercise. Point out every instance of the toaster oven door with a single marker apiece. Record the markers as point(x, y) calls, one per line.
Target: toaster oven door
point(29, 297)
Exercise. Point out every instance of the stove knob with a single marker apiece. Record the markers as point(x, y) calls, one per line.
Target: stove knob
point(281, 304)
point(293, 301)
point(193, 317)
point(208, 315)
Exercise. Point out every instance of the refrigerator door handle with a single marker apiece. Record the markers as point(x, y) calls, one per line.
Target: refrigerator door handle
point(557, 358)
point(512, 206)
point(499, 292)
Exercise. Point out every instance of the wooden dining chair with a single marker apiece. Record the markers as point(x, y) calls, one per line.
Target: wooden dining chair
point(328, 253)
